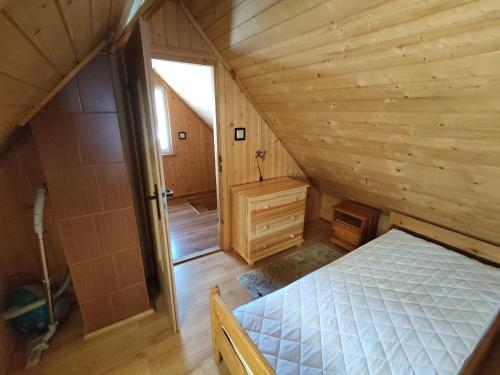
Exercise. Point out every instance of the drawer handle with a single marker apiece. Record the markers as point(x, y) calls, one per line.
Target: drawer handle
point(294, 217)
point(266, 207)
point(292, 236)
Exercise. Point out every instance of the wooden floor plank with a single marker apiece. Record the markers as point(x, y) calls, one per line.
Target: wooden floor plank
point(191, 232)
point(148, 347)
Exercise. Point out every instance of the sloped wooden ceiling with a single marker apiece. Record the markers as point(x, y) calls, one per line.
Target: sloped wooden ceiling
point(40, 42)
point(393, 103)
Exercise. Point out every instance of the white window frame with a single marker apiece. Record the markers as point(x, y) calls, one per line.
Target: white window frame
point(165, 144)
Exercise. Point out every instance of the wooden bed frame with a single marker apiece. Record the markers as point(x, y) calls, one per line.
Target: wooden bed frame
point(230, 341)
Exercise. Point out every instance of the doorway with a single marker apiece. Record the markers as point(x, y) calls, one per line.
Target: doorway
point(185, 115)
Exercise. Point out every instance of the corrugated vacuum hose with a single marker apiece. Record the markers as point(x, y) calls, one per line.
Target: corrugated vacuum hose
point(24, 312)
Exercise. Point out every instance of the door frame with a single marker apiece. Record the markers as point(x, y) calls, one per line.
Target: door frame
point(178, 56)
point(149, 152)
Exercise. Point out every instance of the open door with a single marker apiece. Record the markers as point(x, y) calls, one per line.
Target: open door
point(138, 87)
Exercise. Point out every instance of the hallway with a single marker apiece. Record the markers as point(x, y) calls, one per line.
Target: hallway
point(191, 233)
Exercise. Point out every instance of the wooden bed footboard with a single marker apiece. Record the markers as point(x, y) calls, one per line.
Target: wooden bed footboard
point(229, 339)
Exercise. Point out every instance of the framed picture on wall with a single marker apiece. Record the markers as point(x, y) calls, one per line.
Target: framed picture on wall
point(239, 134)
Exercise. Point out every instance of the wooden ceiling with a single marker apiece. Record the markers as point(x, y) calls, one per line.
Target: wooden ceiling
point(391, 102)
point(41, 41)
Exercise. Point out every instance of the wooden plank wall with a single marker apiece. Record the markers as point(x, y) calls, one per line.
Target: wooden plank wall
point(20, 175)
point(191, 167)
point(234, 110)
point(172, 29)
point(392, 103)
point(49, 36)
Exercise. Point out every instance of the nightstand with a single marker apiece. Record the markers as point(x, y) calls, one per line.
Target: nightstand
point(353, 225)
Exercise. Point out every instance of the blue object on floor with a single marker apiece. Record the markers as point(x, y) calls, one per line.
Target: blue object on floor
point(35, 320)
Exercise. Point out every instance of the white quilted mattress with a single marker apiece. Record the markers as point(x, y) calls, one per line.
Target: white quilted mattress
point(397, 305)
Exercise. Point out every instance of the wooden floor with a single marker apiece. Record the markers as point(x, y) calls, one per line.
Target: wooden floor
point(191, 232)
point(149, 347)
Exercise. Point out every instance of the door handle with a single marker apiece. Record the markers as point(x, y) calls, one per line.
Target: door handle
point(156, 197)
point(169, 193)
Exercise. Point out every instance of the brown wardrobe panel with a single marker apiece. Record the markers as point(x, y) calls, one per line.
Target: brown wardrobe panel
point(116, 230)
point(79, 237)
point(66, 100)
point(98, 313)
point(88, 181)
point(94, 79)
point(56, 140)
point(129, 302)
point(94, 278)
point(74, 191)
point(114, 185)
point(98, 137)
point(128, 267)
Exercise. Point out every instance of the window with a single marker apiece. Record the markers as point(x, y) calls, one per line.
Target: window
point(164, 133)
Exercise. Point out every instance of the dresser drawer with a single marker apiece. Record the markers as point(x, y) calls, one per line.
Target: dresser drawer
point(346, 233)
point(265, 215)
point(266, 226)
point(274, 242)
point(286, 198)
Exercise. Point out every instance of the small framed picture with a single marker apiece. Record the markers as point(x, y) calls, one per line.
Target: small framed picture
point(182, 136)
point(239, 134)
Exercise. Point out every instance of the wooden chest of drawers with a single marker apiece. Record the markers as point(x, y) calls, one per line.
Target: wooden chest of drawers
point(267, 217)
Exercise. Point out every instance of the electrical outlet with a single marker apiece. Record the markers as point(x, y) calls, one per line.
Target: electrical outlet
point(260, 154)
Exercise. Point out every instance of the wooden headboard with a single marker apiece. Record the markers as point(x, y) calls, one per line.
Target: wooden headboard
point(473, 246)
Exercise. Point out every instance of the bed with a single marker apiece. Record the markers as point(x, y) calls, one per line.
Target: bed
point(400, 304)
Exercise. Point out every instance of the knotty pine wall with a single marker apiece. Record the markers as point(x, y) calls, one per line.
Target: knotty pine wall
point(234, 110)
point(191, 167)
point(20, 175)
point(392, 103)
point(79, 143)
point(172, 30)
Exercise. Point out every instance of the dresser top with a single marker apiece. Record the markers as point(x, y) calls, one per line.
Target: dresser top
point(259, 188)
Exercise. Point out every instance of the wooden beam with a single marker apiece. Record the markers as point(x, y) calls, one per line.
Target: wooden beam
point(151, 9)
point(68, 77)
point(125, 30)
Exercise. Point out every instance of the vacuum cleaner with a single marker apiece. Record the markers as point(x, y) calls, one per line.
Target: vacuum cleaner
point(35, 309)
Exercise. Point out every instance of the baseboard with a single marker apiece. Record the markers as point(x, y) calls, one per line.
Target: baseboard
point(197, 254)
point(118, 325)
point(193, 194)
